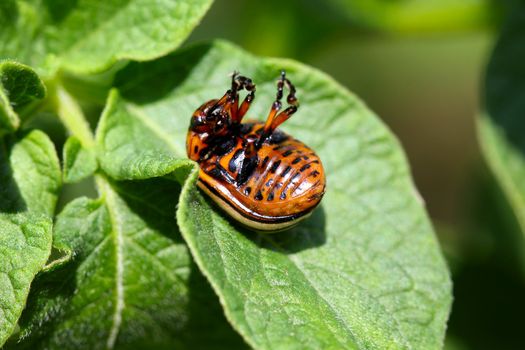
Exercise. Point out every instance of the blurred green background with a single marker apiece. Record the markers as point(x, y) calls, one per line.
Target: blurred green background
point(419, 65)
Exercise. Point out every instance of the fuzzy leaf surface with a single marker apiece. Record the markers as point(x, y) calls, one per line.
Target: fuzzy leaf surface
point(20, 88)
point(29, 186)
point(129, 282)
point(84, 37)
point(364, 272)
point(79, 162)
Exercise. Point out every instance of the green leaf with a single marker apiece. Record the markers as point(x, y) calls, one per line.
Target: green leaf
point(149, 154)
point(29, 174)
point(84, 37)
point(79, 162)
point(130, 282)
point(29, 186)
point(20, 89)
point(25, 244)
point(364, 272)
point(416, 16)
point(501, 127)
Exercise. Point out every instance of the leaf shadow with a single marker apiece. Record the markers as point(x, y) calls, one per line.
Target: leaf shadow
point(9, 12)
point(11, 200)
point(47, 292)
point(165, 74)
point(154, 200)
point(58, 10)
point(489, 281)
point(207, 327)
point(308, 234)
point(504, 83)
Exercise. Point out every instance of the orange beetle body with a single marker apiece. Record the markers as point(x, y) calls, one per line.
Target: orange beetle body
point(262, 177)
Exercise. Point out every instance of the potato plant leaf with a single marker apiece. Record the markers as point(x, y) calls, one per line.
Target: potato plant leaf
point(84, 37)
point(29, 174)
point(502, 126)
point(79, 162)
point(130, 282)
point(29, 186)
point(20, 88)
point(25, 244)
point(365, 271)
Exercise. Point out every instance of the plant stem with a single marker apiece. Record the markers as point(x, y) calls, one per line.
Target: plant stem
point(73, 118)
point(101, 184)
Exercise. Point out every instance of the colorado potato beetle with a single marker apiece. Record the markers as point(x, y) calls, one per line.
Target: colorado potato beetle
point(259, 175)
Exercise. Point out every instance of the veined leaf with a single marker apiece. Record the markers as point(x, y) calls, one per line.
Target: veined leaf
point(130, 282)
point(29, 174)
point(364, 271)
point(502, 126)
point(29, 185)
point(25, 244)
point(83, 36)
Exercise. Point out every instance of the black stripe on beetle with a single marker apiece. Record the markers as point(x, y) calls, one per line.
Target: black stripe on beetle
point(314, 173)
point(286, 171)
point(304, 167)
point(247, 168)
point(275, 166)
point(234, 161)
point(219, 172)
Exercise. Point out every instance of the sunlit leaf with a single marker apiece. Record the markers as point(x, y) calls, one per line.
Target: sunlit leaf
point(79, 162)
point(85, 36)
point(364, 271)
point(29, 185)
point(130, 282)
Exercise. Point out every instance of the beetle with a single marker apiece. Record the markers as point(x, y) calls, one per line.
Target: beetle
point(262, 177)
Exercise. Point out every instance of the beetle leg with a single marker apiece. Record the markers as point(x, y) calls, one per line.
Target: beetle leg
point(250, 87)
point(225, 102)
point(230, 101)
point(291, 98)
point(274, 119)
point(282, 117)
point(239, 83)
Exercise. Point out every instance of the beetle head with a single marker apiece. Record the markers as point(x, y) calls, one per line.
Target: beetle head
point(212, 118)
